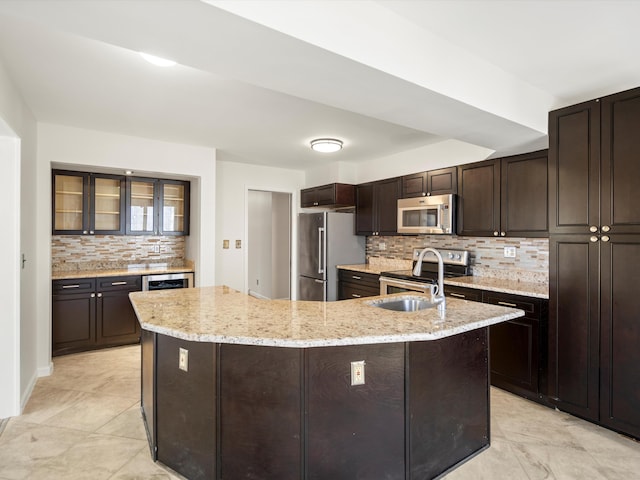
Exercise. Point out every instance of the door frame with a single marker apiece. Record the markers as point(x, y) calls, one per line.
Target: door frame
point(292, 236)
point(10, 404)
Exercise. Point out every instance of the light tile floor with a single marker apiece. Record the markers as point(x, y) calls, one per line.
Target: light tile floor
point(83, 422)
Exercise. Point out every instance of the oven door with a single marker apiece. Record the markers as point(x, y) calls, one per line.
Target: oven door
point(394, 285)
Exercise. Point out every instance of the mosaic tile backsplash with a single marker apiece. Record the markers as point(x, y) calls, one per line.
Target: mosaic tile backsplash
point(487, 254)
point(70, 253)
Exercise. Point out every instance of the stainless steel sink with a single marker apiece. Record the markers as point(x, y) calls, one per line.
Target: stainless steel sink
point(402, 304)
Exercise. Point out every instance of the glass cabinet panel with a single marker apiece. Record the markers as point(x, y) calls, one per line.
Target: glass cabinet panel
point(141, 211)
point(173, 207)
point(107, 204)
point(69, 202)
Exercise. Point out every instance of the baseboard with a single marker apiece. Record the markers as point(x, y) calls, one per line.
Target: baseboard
point(257, 295)
point(45, 371)
point(26, 395)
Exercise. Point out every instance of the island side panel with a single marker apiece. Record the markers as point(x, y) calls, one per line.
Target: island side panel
point(260, 412)
point(355, 431)
point(448, 402)
point(186, 408)
point(148, 387)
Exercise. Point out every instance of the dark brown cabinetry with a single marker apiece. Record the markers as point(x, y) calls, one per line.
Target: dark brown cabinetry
point(87, 203)
point(352, 284)
point(594, 254)
point(518, 348)
point(334, 195)
point(247, 411)
point(504, 197)
point(92, 313)
point(377, 207)
point(157, 207)
point(433, 182)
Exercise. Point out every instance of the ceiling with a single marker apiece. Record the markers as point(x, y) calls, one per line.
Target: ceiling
point(259, 79)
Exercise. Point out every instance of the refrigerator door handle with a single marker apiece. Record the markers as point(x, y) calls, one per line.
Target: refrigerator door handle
point(321, 259)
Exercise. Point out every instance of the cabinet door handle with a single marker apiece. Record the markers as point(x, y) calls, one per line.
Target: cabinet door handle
point(355, 295)
point(507, 304)
point(84, 232)
point(99, 295)
point(118, 283)
point(91, 232)
point(355, 277)
point(593, 239)
point(93, 295)
point(606, 228)
point(459, 295)
point(502, 234)
point(495, 234)
point(71, 286)
point(605, 238)
point(593, 229)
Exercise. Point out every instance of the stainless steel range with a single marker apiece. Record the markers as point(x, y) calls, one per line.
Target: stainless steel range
point(456, 264)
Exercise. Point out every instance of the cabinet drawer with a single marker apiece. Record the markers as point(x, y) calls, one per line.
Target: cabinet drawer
point(362, 279)
point(531, 306)
point(463, 293)
point(73, 286)
point(129, 282)
point(352, 290)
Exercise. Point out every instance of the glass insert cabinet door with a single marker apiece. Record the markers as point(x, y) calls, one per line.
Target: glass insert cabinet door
point(173, 207)
point(70, 203)
point(141, 207)
point(106, 206)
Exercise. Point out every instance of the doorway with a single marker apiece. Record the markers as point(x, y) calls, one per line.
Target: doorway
point(269, 245)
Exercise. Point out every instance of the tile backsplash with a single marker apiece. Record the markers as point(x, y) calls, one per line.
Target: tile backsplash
point(487, 254)
point(103, 252)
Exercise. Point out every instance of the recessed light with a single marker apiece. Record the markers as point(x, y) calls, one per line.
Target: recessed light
point(326, 145)
point(160, 62)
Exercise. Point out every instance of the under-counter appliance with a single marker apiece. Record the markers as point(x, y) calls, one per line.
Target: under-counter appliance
point(167, 281)
point(427, 215)
point(325, 240)
point(455, 263)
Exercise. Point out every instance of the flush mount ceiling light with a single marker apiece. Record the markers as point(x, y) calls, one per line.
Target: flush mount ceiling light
point(326, 145)
point(160, 62)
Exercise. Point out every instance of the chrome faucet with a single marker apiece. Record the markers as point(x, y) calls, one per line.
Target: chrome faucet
point(438, 298)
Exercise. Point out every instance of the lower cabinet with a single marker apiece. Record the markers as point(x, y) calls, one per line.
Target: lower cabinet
point(352, 284)
point(93, 313)
point(518, 348)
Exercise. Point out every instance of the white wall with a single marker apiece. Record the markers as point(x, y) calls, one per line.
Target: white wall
point(21, 306)
point(234, 180)
point(259, 243)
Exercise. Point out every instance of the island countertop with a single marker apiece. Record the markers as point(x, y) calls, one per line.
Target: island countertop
point(224, 315)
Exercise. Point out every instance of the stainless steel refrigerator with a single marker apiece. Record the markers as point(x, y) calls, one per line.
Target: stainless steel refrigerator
point(325, 239)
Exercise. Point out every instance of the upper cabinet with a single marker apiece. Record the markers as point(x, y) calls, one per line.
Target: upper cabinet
point(593, 178)
point(87, 203)
point(504, 197)
point(433, 182)
point(377, 207)
point(157, 207)
point(332, 195)
point(100, 204)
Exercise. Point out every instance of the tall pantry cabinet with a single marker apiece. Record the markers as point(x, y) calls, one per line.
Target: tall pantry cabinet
point(594, 260)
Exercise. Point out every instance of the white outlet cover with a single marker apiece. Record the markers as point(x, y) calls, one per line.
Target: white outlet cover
point(357, 372)
point(183, 359)
point(509, 252)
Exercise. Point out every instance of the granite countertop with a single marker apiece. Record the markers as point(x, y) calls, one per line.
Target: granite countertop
point(147, 270)
point(527, 289)
point(223, 315)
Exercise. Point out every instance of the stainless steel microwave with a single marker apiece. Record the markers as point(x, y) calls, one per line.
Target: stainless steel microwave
point(430, 215)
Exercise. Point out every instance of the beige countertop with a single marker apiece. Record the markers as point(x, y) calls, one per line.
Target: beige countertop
point(223, 315)
point(527, 289)
point(119, 272)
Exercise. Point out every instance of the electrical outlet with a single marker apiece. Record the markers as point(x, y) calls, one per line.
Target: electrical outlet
point(238, 243)
point(357, 373)
point(382, 246)
point(183, 359)
point(509, 252)
point(225, 244)
point(156, 249)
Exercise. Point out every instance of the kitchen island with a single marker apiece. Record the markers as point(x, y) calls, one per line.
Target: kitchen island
point(236, 387)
